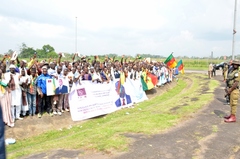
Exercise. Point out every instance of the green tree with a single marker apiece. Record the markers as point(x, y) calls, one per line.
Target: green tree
point(25, 51)
point(47, 51)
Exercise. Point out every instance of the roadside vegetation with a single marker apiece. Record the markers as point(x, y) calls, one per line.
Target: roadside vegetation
point(107, 133)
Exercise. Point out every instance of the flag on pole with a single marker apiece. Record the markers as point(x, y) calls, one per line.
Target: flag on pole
point(180, 66)
point(170, 61)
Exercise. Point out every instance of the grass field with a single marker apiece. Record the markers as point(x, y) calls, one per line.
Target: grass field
point(107, 133)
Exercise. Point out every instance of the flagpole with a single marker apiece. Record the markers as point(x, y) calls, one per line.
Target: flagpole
point(234, 29)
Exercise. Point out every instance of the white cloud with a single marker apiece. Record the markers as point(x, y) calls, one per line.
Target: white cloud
point(191, 28)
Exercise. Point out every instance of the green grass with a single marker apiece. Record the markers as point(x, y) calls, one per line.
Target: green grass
point(107, 133)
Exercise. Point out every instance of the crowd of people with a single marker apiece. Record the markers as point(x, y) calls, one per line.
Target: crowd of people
point(23, 89)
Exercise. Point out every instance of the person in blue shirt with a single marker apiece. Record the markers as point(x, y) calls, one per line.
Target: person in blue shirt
point(42, 92)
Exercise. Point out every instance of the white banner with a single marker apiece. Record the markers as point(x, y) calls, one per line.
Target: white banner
point(93, 99)
point(90, 99)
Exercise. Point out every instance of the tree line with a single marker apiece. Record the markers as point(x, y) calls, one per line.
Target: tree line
point(48, 51)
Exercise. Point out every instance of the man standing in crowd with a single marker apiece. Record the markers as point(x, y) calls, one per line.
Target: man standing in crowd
point(32, 92)
point(16, 92)
point(42, 91)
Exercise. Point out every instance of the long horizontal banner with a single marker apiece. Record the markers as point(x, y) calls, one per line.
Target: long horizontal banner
point(94, 99)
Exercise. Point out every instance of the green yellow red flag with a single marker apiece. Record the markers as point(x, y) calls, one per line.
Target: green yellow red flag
point(170, 61)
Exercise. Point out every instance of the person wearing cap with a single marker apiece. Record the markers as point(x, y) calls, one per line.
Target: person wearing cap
point(16, 93)
point(42, 91)
point(232, 90)
point(52, 69)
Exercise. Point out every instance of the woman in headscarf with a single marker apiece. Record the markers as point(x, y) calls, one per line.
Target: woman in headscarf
point(5, 97)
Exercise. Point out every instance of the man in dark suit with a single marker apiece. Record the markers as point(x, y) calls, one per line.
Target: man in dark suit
point(2, 139)
point(62, 88)
point(123, 99)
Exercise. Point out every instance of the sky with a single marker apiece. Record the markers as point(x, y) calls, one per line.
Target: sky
point(123, 27)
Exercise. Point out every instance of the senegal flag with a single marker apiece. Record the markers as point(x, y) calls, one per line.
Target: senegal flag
point(180, 66)
point(170, 61)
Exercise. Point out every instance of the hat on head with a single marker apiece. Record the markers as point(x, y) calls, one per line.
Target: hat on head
point(236, 62)
point(12, 66)
point(45, 66)
point(24, 61)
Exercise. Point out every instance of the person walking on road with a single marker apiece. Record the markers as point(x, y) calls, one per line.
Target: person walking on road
point(232, 90)
point(210, 69)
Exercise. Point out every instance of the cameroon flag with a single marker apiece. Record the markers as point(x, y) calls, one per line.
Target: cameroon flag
point(180, 66)
point(146, 81)
point(170, 61)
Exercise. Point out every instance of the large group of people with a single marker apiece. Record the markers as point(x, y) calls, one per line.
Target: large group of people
point(23, 88)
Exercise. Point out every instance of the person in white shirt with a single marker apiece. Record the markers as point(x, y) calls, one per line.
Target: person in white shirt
point(16, 92)
point(24, 81)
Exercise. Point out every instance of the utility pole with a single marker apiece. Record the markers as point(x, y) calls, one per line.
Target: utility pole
point(76, 37)
point(234, 29)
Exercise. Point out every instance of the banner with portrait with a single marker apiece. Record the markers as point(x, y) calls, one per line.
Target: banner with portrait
point(57, 86)
point(94, 99)
point(90, 100)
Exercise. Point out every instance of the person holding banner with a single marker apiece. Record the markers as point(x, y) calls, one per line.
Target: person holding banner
point(42, 91)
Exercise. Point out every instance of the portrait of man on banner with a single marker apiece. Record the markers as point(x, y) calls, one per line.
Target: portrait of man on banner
point(61, 89)
point(123, 99)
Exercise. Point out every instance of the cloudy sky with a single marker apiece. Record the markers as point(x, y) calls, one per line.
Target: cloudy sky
point(185, 27)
